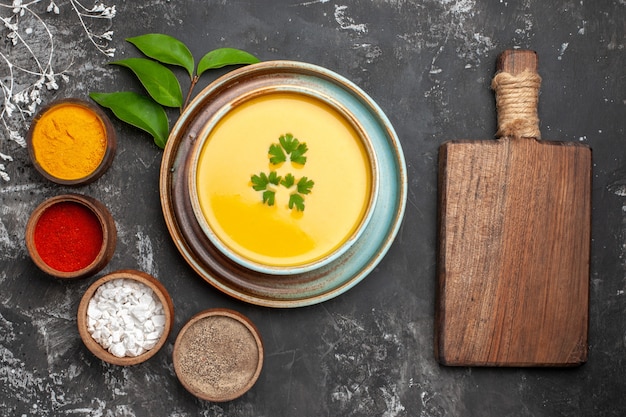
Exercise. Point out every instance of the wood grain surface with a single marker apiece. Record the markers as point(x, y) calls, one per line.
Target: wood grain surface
point(514, 247)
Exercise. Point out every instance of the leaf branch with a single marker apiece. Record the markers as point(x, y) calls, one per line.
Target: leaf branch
point(161, 83)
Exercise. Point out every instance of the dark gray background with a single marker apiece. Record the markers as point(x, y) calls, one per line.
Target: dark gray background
point(368, 352)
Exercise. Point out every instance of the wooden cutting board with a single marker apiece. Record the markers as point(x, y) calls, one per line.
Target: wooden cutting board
point(514, 238)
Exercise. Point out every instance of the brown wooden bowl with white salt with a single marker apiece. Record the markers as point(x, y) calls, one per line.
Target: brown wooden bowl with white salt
point(125, 317)
point(218, 355)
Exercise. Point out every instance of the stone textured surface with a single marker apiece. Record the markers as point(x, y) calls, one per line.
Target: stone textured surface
point(369, 352)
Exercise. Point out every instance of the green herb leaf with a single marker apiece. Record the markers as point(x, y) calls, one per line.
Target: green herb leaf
point(276, 154)
point(159, 81)
point(297, 201)
point(222, 57)
point(288, 181)
point(274, 178)
point(288, 145)
point(305, 185)
point(288, 142)
point(137, 110)
point(165, 49)
point(294, 148)
point(297, 155)
point(269, 197)
point(259, 182)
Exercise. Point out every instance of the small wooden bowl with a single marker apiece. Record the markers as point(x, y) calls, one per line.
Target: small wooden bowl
point(95, 347)
point(109, 235)
point(218, 355)
point(109, 150)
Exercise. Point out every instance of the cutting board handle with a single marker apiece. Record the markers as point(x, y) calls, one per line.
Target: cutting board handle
point(516, 85)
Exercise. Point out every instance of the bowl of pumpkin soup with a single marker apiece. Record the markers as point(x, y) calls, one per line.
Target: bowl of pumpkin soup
point(283, 184)
point(282, 180)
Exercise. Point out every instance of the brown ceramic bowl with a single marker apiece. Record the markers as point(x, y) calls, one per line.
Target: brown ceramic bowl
point(41, 154)
point(102, 353)
point(218, 355)
point(53, 249)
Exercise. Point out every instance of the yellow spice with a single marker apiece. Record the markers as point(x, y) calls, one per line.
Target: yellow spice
point(69, 141)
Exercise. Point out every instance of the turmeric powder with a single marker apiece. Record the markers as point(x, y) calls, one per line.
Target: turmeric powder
point(69, 141)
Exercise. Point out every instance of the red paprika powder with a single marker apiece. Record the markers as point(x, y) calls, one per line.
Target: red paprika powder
point(68, 236)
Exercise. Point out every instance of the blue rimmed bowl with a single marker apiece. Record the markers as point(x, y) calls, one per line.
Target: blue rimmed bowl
point(321, 232)
point(303, 284)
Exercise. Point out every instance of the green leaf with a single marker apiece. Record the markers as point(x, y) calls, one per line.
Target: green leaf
point(288, 181)
point(158, 80)
point(297, 155)
point(165, 49)
point(294, 148)
point(269, 197)
point(297, 201)
point(274, 178)
point(305, 185)
point(137, 110)
point(276, 154)
point(222, 57)
point(259, 182)
point(288, 142)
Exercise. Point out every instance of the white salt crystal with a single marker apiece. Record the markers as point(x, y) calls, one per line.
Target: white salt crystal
point(158, 320)
point(129, 341)
point(141, 313)
point(106, 306)
point(127, 321)
point(121, 294)
point(93, 311)
point(114, 325)
point(135, 350)
point(149, 344)
point(106, 333)
point(154, 335)
point(125, 317)
point(148, 326)
point(147, 300)
point(105, 342)
point(139, 334)
point(108, 293)
point(118, 350)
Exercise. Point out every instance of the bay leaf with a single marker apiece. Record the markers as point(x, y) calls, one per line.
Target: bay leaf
point(137, 110)
point(222, 57)
point(165, 49)
point(158, 80)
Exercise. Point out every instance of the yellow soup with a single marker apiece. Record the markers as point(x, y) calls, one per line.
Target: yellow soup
point(337, 169)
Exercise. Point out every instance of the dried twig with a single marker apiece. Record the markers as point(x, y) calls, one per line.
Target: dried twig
point(27, 70)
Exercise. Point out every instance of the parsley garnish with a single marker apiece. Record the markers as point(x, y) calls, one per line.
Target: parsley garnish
point(296, 200)
point(288, 181)
point(277, 155)
point(287, 145)
point(305, 185)
point(269, 197)
point(293, 148)
point(262, 181)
